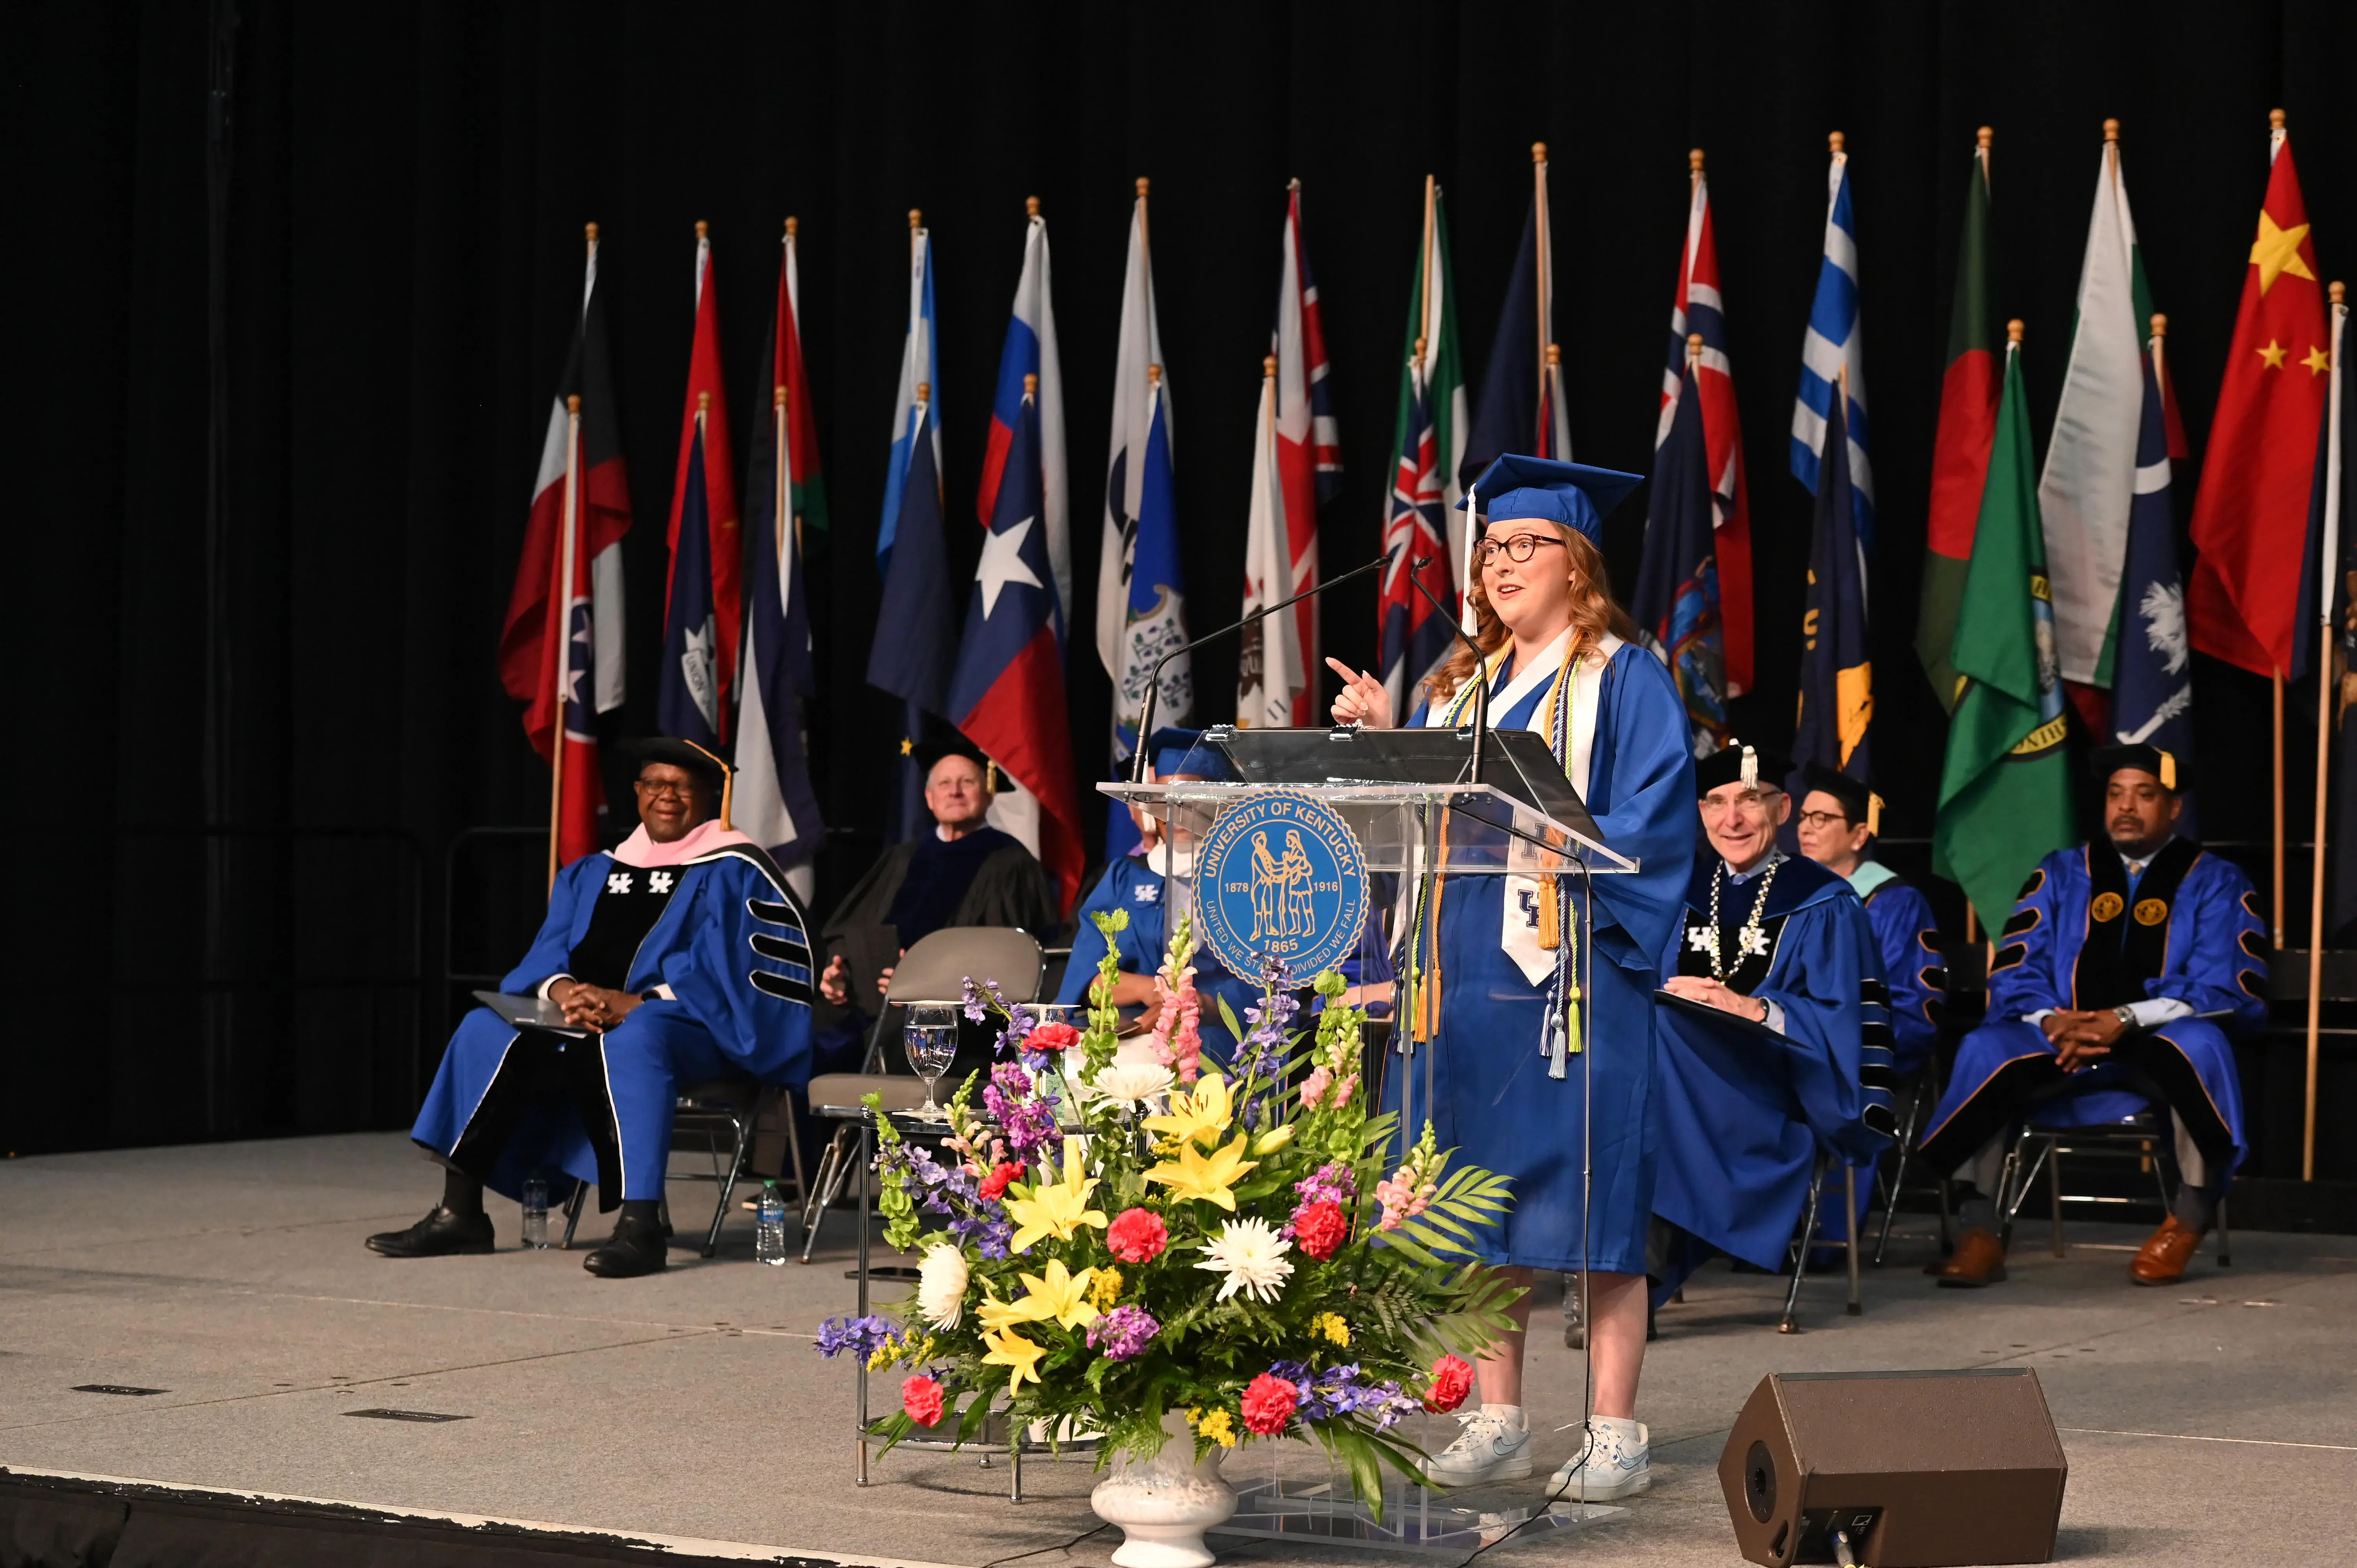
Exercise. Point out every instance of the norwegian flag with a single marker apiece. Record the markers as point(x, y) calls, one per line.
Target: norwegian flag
point(1415, 637)
point(1695, 307)
point(1308, 444)
point(572, 559)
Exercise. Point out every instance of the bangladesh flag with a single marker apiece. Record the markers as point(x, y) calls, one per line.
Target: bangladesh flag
point(1960, 455)
point(2005, 792)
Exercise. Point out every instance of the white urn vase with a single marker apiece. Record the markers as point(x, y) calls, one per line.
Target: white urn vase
point(1164, 1504)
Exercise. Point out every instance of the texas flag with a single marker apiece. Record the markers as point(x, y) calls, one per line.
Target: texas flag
point(2252, 514)
point(699, 675)
point(1030, 350)
point(1308, 445)
point(563, 628)
point(1008, 692)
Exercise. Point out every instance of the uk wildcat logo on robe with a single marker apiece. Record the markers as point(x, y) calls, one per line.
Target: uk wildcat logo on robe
point(1281, 876)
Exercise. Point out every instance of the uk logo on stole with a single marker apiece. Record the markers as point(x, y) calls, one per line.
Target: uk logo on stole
point(1281, 876)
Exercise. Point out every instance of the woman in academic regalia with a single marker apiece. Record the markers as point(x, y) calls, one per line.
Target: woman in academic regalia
point(1562, 660)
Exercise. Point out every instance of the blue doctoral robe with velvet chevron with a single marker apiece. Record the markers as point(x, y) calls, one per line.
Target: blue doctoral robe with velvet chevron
point(1133, 883)
point(2201, 941)
point(1743, 1111)
point(730, 958)
point(1906, 934)
point(1493, 1097)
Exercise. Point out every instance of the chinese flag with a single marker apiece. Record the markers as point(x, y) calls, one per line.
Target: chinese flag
point(2250, 520)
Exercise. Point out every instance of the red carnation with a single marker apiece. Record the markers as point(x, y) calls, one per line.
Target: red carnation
point(1452, 1380)
point(996, 1182)
point(922, 1397)
point(1268, 1404)
point(1137, 1236)
point(1055, 1036)
point(1319, 1228)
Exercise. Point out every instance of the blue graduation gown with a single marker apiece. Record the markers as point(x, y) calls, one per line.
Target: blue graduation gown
point(1742, 1112)
point(2187, 928)
point(1907, 936)
point(1133, 883)
point(732, 949)
point(1492, 1099)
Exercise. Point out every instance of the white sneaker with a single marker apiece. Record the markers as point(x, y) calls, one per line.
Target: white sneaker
point(1493, 1446)
point(1617, 1464)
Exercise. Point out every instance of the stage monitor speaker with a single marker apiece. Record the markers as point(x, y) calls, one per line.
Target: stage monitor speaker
point(1920, 1469)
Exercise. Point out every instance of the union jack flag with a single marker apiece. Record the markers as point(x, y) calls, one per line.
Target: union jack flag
point(1415, 637)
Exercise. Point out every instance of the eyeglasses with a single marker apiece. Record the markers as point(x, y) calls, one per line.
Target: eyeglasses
point(1824, 819)
point(655, 789)
point(1719, 807)
point(1521, 547)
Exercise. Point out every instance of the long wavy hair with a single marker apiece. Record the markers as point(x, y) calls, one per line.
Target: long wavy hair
point(1594, 612)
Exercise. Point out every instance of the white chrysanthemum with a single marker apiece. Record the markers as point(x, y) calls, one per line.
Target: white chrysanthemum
point(941, 1285)
point(1251, 1256)
point(1131, 1083)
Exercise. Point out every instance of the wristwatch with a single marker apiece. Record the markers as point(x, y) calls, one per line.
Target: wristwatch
point(2126, 1016)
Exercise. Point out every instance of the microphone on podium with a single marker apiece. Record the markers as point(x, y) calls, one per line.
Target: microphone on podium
point(1153, 681)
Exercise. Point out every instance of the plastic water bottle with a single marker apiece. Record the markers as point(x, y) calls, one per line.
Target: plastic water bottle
point(535, 1212)
point(770, 1225)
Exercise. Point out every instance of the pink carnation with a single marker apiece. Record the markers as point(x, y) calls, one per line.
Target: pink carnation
point(1054, 1037)
point(1320, 1229)
point(996, 1182)
point(1137, 1236)
point(1452, 1380)
point(1268, 1404)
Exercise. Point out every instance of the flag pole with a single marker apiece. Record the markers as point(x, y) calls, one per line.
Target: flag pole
point(1545, 269)
point(785, 491)
point(2328, 558)
point(2278, 909)
point(1145, 239)
point(562, 607)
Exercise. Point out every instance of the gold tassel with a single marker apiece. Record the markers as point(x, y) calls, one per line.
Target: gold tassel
point(2168, 770)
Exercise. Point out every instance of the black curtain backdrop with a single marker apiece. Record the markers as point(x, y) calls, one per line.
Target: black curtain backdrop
point(403, 261)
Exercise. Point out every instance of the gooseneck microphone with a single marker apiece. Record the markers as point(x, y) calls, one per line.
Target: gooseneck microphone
point(1153, 681)
point(1480, 673)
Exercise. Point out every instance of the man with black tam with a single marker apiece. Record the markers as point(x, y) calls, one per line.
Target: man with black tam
point(962, 872)
point(2122, 959)
point(677, 957)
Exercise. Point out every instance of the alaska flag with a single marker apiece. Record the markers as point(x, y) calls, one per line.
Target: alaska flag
point(2152, 662)
point(687, 694)
point(1837, 670)
point(1008, 692)
point(916, 619)
point(1676, 607)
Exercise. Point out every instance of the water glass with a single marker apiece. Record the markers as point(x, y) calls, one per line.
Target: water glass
point(535, 1212)
point(932, 1041)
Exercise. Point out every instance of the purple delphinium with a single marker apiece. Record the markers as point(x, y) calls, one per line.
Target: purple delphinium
point(970, 999)
point(858, 1337)
point(989, 1236)
point(1122, 1332)
point(1262, 1048)
point(1332, 1181)
point(1342, 1390)
point(937, 1184)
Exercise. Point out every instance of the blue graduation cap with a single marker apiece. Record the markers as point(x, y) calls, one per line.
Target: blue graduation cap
point(1573, 494)
point(1172, 748)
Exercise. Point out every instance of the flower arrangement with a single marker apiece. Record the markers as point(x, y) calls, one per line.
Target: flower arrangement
point(1120, 1239)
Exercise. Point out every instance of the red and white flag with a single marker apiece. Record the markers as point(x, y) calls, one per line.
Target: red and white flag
point(726, 539)
point(1308, 448)
point(563, 628)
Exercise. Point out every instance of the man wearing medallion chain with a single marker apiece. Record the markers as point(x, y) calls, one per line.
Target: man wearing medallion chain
point(1783, 945)
point(2122, 960)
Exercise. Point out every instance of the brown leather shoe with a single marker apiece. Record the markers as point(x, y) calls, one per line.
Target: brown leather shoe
point(1978, 1260)
point(2161, 1260)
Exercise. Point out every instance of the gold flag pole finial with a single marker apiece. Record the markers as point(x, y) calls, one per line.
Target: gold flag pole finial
point(1984, 136)
point(794, 227)
point(704, 403)
point(1693, 346)
point(1154, 375)
point(1268, 368)
point(2275, 119)
point(1554, 354)
point(2111, 130)
point(2013, 331)
point(589, 233)
point(1031, 207)
point(916, 218)
point(1141, 183)
point(1030, 385)
point(1693, 160)
point(2159, 325)
point(703, 229)
point(924, 390)
point(1538, 151)
point(1837, 142)
point(573, 402)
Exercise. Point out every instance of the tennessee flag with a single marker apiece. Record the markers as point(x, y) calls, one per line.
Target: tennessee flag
point(2250, 519)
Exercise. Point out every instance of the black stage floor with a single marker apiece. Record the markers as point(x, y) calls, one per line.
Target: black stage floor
point(2210, 1422)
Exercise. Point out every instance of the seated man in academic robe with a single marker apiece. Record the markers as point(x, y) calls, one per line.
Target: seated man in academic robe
point(1838, 821)
point(2112, 980)
point(680, 957)
point(1800, 1059)
point(962, 872)
point(1138, 882)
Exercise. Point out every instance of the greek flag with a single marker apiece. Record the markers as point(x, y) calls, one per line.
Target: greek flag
point(1835, 342)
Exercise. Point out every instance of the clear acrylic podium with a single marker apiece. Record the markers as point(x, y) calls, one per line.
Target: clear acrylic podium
point(1407, 796)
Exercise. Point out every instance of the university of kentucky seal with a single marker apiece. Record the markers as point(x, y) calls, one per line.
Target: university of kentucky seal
point(1281, 876)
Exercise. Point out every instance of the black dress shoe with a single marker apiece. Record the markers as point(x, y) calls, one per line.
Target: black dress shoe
point(441, 1233)
point(637, 1247)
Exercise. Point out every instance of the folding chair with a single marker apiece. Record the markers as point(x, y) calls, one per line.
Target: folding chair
point(931, 974)
point(1963, 1000)
point(2145, 1139)
point(1808, 1239)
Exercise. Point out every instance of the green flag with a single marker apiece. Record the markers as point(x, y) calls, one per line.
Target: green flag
point(2005, 792)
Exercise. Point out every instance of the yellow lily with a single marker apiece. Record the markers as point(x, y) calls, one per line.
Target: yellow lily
point(1008, 1349)
point(1208, 1177)
point(995, 1314)
point(1060, 1296)
point(1056, 1208)
point(1201, 1116)
point(1276, 1138)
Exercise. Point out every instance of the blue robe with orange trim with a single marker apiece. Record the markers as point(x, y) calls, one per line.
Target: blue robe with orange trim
point(728, 958)
point(1744, 1110)
point(1493, 1099)
point(2086, 935)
